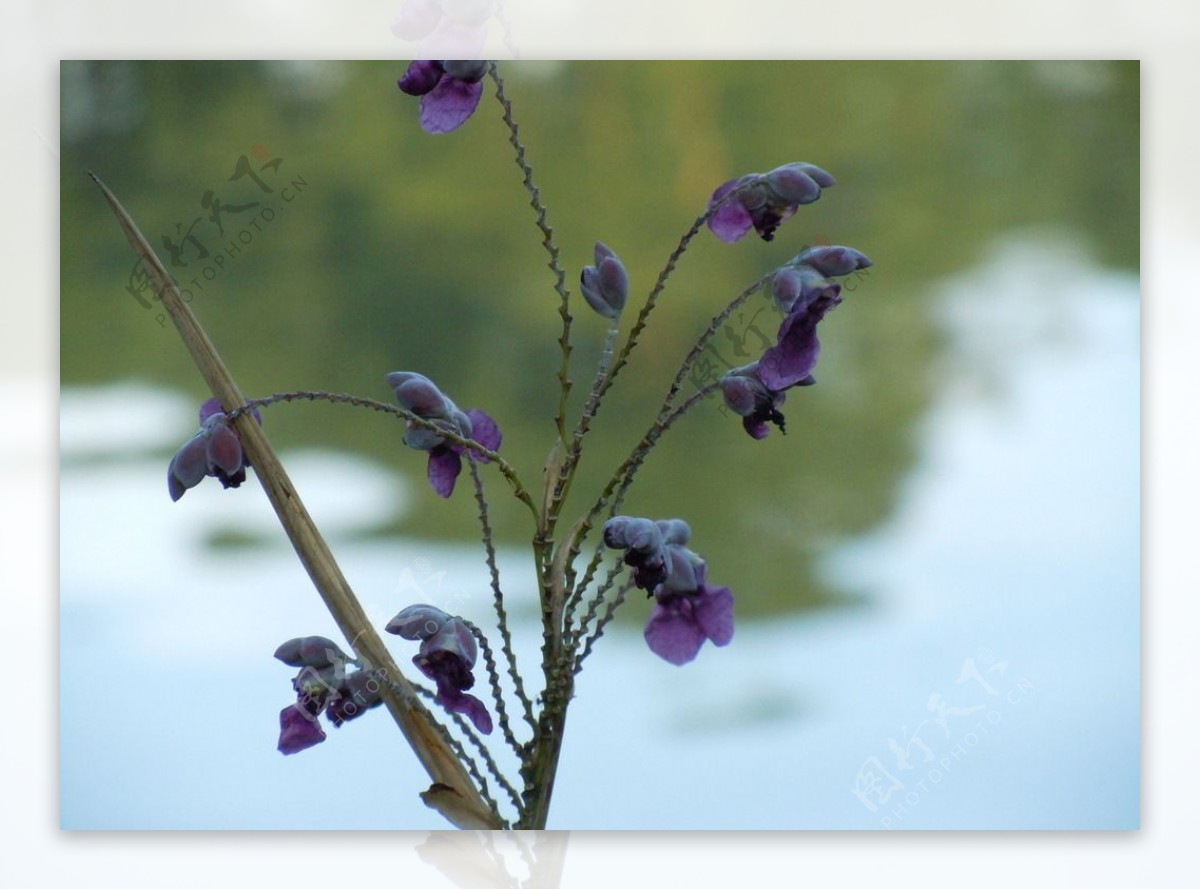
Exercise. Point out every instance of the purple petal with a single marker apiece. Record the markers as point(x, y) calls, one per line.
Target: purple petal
point(758, 429)
point(485, 432)
point(209, 408)
point(794, 357)
point(714, 614)
point(443, 470)
point(224, 450)
point(732, 220)
point(449, 105)
point(188, 466)
point(298, 730)
point(672, 635)
point(421, 77)
point(471, 708)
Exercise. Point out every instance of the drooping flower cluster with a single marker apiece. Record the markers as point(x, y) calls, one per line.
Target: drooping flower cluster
point(420, 395)
point(606, 284)
point(214, 450)
point(323, 684)
point(449, 91)
point(446, 656)
point(763, 201)
point(687, 611)
point(803, 291)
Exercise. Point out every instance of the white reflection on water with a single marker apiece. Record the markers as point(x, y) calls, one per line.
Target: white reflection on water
point(993, 684)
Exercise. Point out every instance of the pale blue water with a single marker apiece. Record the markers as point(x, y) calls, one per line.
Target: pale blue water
point(1011, 565)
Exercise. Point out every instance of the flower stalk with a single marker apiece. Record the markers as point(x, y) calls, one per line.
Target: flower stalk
point(460, 802)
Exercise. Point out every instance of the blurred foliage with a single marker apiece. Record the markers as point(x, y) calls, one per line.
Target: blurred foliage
point(400, 250)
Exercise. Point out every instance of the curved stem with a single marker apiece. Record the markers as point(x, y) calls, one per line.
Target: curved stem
point(502, 619)
point(623, 478)
point(362, 402)
point(535, 201)
point(599, 631)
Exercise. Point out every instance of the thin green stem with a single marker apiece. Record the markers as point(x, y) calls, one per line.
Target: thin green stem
point(599, 631)
point(489, 660)
point(594, 602)
point(566, 471)
point(560, 278)
point(715, 325)
point(423, 423)
point(619, 484)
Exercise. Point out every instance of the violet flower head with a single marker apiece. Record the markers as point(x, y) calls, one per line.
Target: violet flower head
point(214, 450)
point(747, 396)
point(802, 289)
point(763, 201)
point(605, 285)
point(686, 611)
point(645, 549)
point(447, 654)
point(418, 394)
point(449, 91)
point(321, 685)
point(794, 355)
point(681, 621)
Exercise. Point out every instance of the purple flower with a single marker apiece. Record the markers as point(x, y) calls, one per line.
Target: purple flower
point(449, 91)
point(681, 621)
point(764, 201)
point(321, 685)
point(795, 352)
point(214, 450)
point(418, 394)
point(802, 289)
point(746, 395)
point(687, 611)
point(446, 656)
point(605, 285)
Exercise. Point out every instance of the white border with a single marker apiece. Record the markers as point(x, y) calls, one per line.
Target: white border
point(1162, 34)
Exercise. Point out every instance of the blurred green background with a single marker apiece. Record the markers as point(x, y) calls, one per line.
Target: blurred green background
point(401, 250)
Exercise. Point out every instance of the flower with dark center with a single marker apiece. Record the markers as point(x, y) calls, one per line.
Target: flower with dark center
point(763, 201)
point(447, 654)
point(214, 450)
point(449, 91)
point(418, 394)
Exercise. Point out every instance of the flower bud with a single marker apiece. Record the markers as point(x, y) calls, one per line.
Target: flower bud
point(605, 285)
point(793, 287)
point(674, 531)
point(832, 259)
point(791, 185)
point(312, 651)
point(418, 394)
point(743, 392)
point(418, 622)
